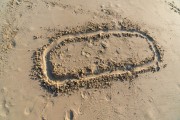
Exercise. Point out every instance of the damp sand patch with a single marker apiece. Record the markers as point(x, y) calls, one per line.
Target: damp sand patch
point(95, 55)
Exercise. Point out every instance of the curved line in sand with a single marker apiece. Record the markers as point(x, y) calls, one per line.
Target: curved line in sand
point(48, 76)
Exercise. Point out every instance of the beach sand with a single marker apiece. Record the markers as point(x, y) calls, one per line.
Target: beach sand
point(89, 60)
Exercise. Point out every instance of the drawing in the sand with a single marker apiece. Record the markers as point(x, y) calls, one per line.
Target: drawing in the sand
point(93, 57)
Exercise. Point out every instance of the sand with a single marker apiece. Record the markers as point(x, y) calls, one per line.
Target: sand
point(89, 60)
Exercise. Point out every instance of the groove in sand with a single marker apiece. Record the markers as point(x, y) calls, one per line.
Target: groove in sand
point(100, 80)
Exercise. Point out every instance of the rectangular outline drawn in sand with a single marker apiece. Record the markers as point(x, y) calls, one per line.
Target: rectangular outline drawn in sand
point(41, 60)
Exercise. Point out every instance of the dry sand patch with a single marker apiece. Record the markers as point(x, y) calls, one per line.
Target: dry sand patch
point(95, 55)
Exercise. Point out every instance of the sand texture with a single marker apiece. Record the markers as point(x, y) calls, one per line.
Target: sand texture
point(89, 60)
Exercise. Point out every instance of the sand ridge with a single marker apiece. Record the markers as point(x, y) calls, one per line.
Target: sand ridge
point(84, 77)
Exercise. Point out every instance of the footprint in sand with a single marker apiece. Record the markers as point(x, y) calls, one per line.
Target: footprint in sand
point(27, 111)
point(70, 115)
point(4, 109)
